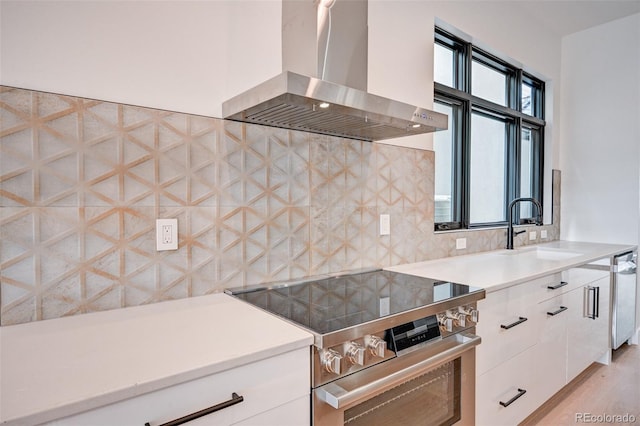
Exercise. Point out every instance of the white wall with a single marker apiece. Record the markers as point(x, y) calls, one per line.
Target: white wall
point(191, 56)
point(401, 34)
point(600, 137)
point(186, 56)
point(600, 150)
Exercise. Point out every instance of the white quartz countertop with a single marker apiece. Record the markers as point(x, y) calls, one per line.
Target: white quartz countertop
point(55, 368)
point(498, 269)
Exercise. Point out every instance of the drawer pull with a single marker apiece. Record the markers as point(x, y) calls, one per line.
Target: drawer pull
point(520, 321)
point(235, 399)
point(512, 400)
point(557, 286)
point(562, 309)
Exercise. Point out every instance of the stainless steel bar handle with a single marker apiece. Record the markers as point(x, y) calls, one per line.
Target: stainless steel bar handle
point(337, 397)
point(585, 302)
point(557, 286)
point(561, 309)
point(235, 399)
point(512, 400)
point(520, 321)
point(591, 303)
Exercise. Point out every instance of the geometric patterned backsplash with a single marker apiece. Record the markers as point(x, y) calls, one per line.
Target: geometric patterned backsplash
point(83, 181)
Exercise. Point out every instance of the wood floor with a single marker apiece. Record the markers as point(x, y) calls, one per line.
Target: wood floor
point(601, 390)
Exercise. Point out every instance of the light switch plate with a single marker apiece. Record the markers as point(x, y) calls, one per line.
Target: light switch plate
point(461, 243)
point(543, 233)
point(533, 235)
point(166, 234)
point(385, 224)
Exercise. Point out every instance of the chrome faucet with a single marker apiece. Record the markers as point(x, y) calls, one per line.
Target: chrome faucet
point(510, 231)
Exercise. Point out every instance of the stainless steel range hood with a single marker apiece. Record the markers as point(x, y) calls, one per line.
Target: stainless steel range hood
point(323, 87)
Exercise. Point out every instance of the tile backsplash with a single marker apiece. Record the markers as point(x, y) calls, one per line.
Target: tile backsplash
point(83, 181)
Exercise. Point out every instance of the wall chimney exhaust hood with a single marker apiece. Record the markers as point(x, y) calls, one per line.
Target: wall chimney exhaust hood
point(323, 87)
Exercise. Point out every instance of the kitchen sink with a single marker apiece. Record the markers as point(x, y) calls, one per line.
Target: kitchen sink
point(543, 253)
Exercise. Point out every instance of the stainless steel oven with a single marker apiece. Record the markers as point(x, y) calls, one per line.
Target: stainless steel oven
point(431, 386)
point(389, 348)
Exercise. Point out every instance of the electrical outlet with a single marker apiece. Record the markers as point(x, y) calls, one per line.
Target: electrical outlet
point(543, 233)
point(533, 235)
point(385, 224)
point(166, 234)
point(461, 243)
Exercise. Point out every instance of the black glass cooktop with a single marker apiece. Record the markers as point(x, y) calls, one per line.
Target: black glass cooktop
point(330, 304)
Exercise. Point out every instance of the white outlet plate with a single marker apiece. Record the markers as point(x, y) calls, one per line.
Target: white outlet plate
point(461, 243)
point(166, 234)
point(385, 224)
point(533, 235)
point(543, 233)
point(385, 306)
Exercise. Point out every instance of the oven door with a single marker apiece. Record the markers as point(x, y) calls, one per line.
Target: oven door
point(434, 385)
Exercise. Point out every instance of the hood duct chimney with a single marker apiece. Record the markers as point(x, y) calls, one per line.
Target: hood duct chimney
point(323, 87)
point(327, 40)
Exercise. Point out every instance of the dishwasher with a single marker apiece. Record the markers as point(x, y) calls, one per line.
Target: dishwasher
point(623, 314)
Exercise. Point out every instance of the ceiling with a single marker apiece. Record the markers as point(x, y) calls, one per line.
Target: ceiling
point(567, 17)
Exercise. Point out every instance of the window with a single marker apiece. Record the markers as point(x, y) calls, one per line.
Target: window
point(487, 168)
point(488, 83)
point(493, 150)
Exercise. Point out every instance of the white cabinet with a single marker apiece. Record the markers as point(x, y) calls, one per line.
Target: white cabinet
point(550, 351)
point(503, 395)
point(588, 326)
point(275, 391)
point(535, 339)
point(507, 325)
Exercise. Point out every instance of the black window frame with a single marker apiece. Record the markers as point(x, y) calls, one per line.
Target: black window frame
point(460, 95)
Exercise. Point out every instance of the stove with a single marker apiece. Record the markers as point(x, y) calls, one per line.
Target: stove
point(389, 348)
point(365, 318)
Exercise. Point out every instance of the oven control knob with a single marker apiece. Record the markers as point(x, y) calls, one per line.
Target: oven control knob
point(330, 360)
point(445, 322)
point(355, 353)
point(470, 312)
point(475, 315)
point(377, 346)
point(459, 319)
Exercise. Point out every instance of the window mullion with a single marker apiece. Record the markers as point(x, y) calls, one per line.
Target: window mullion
point(465, 69)
point(465, 165)
point(502, 110)
point(516, 91)
point(515, 144)
point(538, 177)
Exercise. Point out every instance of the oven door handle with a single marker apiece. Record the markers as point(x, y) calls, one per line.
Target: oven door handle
point(338, 397)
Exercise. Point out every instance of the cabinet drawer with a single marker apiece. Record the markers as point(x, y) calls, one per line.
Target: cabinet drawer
point(566, 281)
point(294, 413)
point(507, 326)
point(550, 353)
point(577, 277)
point(503, 384)
point(264, 385)
point(550, 286)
